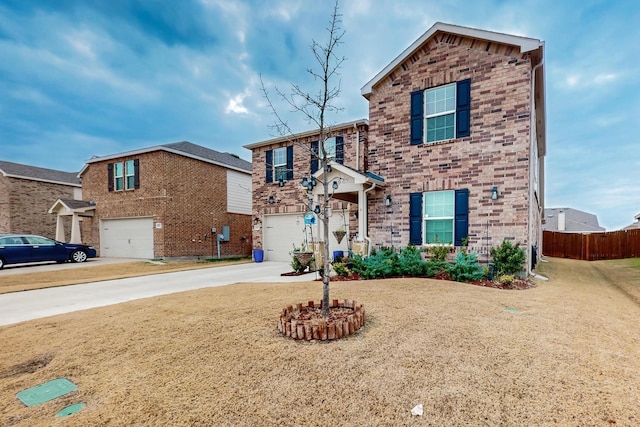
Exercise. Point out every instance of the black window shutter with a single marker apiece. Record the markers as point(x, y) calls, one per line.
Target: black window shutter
point(461, 216)
point(136, 173)
point(415, 218)
point(269, 155)
point(463, 108)
point(314, 156)
point(340, 149)
point(110, 176)
point(417, 117)
point(289, 162)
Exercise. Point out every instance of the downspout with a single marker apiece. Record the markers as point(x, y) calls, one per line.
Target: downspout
point(532, 138)
point(355, 126)
point(366, 216)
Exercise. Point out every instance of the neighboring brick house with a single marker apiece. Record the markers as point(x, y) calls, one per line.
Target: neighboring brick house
point(279, 202)
point(455, 145)
point(27, 193)
point(170, 200)
point(570, 220)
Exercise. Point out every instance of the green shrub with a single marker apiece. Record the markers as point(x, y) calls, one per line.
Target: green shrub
point(410, 262)
point(433, 268)
point(341, 269)
point(466, 268)
point(439, 252)
point(506, 279)
point(508, 258)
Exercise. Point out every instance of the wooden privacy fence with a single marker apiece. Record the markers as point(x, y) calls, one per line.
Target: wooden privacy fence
point(592, 246)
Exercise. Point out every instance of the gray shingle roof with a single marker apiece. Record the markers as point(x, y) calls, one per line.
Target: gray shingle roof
point(207, 153)
point(18, 170)
point(77, 204)
point(574, 220)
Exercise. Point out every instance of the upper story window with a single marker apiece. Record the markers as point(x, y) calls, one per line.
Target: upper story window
point(334, 149)
point(279, 164)
point(441, 113)
point(124, 175)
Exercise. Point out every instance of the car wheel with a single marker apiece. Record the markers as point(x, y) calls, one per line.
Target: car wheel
point(78, 256)
point(1, 263)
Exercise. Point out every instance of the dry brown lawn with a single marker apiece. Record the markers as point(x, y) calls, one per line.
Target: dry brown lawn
point(565, 352)
point(63, 277)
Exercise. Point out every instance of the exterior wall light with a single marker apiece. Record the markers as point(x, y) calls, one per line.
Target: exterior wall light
point(387, 200)
point(281, 182)
point(494, 193)
point(271, 199)
point(335, 185)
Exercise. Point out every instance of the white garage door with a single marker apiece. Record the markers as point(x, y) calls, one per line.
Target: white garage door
point(281, 232)
point(127, 238)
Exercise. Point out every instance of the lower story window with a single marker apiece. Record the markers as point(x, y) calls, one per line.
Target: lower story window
point(439, 217)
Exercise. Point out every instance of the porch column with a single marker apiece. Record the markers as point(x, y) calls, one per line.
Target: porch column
point(59, 229)
point(362, 214)
point(75, 229)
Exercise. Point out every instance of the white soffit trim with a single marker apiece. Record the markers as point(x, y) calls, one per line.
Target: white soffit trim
point(525, 44)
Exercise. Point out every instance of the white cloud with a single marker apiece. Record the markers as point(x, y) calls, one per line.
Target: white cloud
point(235, 105)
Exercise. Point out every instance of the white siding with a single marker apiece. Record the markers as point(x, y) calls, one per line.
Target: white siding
point(238, 192)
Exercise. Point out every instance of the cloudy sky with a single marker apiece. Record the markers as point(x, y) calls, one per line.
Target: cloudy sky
point(80, 78)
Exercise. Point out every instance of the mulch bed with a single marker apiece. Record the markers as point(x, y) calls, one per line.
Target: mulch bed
point(517, 284)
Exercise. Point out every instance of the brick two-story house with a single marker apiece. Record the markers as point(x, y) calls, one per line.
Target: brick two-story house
point(454, 148)
point(27, 193)
point(171, 200)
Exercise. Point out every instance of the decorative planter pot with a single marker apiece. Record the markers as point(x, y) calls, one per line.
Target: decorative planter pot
point(339, 235)
point(303, 257)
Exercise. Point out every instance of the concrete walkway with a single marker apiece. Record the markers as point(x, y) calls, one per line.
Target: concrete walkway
point(20, 306)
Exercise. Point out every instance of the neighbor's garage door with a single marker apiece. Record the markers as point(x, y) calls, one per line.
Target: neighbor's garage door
point(281, 232)
point(127, 238)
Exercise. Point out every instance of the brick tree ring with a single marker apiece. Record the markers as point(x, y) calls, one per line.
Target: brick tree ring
point(307, 323)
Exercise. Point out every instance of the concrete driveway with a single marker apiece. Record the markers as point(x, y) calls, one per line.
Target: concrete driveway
point(54, 266)
point(20, 306)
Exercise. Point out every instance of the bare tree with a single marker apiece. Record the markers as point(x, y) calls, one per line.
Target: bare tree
point(314, 107)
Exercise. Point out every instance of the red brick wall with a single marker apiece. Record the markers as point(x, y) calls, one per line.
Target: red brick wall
point(187, 196)
point(496, 153)
point(291, 198)
point(25, 204)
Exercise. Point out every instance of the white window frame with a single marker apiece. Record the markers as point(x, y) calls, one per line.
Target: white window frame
point(426, 218)
point(118, 175)
point(280, 164)
point(443, 112)
point(129, 172)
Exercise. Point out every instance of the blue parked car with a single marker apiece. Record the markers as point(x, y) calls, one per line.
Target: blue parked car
point(21, 248)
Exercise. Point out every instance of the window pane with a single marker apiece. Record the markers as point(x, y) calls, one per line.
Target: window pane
point(280, 156)
point(439, 204)
point(440, 128)
point(119, 183)
point(330, 148)
point(439, 231)
point(281, 173)
point(130, 173)
point(440, 100)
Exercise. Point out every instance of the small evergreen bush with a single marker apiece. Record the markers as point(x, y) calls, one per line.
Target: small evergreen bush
point(508, 258)
point(466, 268)
point(439, 252)
point(410, 262)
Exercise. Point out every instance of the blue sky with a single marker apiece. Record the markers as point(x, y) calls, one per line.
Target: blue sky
point(92, 77)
